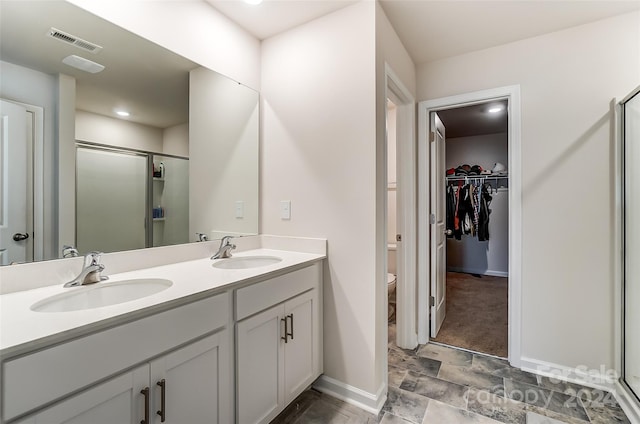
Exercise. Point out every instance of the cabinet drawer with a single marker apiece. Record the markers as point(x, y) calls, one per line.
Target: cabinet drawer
point(260, 296)
point(39, 378)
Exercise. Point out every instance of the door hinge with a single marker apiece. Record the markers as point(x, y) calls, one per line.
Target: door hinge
point(432, 301)
point(432, 137)
point(398, 237)
point(432, 218)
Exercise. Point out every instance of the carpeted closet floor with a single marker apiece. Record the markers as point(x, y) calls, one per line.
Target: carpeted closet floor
point(477, 313)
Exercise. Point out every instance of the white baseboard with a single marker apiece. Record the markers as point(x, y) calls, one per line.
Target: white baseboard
point(627, 402)
point(596, 379)
point(478, 271)
point(588, 378)
point(368, 401)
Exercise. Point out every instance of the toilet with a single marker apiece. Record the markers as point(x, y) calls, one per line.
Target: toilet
point(391, 279)
point(391, 287)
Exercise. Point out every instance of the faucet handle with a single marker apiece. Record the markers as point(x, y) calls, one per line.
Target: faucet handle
point(92, 258)
point(225, 240)
point(69, 251)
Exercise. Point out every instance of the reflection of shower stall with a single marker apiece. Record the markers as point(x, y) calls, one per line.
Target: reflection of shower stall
point(122, 204)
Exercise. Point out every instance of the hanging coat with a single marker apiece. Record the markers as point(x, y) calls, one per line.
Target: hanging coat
point(483, 218)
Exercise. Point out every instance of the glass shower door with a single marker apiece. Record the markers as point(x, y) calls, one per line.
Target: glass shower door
point(631, 240)
point(111, 200)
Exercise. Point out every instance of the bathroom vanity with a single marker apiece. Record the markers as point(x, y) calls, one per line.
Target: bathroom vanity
point(234, 342)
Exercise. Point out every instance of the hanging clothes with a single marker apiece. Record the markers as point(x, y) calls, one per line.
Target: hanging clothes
point(467, 209)
point(451, 210)
point(486, 198)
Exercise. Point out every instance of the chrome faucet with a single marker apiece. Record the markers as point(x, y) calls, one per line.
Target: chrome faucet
point(202, 237)
point(224, 251)
point(90, 271)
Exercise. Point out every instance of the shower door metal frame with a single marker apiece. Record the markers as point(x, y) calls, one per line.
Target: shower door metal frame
point(622, 242)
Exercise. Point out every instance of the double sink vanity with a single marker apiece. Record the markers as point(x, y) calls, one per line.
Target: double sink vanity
point(195, 341)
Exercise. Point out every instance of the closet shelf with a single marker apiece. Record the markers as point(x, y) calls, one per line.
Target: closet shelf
point(477, 177)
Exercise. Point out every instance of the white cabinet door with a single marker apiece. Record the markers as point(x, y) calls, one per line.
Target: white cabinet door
point(277, 357)
point(196, 381)
point(299, 350)
point(117, 401)
point(260, 389)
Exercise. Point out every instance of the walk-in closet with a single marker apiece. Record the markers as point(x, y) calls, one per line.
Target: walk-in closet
point(477, 228)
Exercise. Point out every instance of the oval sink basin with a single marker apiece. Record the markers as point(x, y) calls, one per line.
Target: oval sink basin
point(246, 262)
point(102, 294)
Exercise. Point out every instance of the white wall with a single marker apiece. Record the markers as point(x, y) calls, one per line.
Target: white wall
point(391, 53)
point(567, 80)
point(25, 85)
point(319, 151)
point(175, 140)
point(323, 149)
point(470, 255)
point(117, 132)
point(192, 29)
point(484, 150)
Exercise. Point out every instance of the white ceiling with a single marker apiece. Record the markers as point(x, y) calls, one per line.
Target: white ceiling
point(276, 16)
point(475, 120)
point(153, 86)
point(429, 29)
point(436, 29)
point(433, 29)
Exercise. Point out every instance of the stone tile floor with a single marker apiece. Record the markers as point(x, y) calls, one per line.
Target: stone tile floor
point(436, 384)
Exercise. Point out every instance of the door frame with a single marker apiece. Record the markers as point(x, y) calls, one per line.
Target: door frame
point(406, 331)
point(35, 170)
point(626, 398)
point(512, 95)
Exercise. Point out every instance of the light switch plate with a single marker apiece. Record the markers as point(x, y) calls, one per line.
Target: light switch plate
point(285, 209)
point(239, 209)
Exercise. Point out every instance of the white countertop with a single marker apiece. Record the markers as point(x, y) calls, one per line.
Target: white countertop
point(22, 329)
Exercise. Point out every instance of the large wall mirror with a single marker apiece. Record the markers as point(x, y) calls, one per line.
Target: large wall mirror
point(74, 172)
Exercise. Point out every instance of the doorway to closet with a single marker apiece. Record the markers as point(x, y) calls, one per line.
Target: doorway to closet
point(501, 181)
point(471, 251)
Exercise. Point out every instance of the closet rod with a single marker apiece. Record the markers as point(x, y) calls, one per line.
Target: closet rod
point(476, 177)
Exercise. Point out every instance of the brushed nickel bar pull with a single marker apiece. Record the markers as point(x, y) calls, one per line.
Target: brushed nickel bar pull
point(286, 333)
point(145, 392)
point(291, 334)
point(163, 389)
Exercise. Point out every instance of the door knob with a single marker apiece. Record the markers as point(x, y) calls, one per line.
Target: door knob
point(448, 232)
point(20, 236)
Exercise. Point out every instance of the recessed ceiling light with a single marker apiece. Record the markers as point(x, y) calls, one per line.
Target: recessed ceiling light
point(496, 109)
point(123, 113)
point(253, 2)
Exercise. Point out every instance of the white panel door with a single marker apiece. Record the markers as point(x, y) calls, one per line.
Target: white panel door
point(260, 361)
point(13, 183)
point(117, 401)
point(438, 225)
point(196, 382)
point(299, 348)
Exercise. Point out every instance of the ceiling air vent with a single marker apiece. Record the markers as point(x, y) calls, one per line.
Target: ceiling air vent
point(73, 40)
